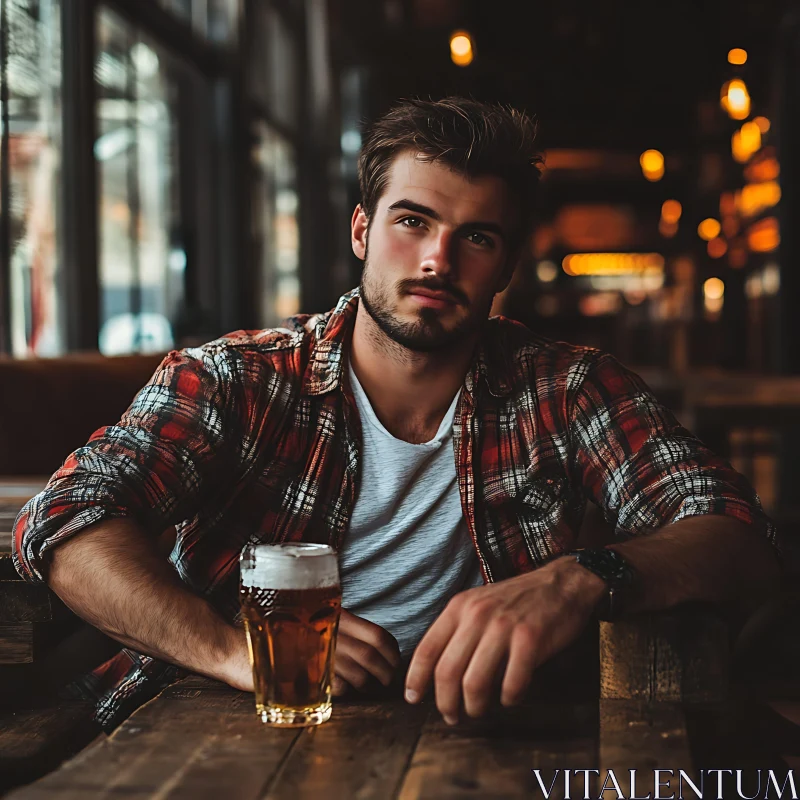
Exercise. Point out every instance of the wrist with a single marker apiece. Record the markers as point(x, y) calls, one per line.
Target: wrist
point(235, 668)
point(586, 589)
point(223, 650)
point(615, 572)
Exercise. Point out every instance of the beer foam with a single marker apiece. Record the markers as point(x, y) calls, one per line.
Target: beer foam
point(289, 566)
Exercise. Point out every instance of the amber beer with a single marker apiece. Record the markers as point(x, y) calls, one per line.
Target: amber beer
point(291, 597)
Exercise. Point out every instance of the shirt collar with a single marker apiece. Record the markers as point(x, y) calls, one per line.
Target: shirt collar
point(492, 361)
point(334, 329)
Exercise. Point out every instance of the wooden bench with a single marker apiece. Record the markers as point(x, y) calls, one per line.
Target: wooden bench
point(42, 647)
point(36, 740)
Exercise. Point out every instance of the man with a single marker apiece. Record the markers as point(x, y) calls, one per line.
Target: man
point(446, 456)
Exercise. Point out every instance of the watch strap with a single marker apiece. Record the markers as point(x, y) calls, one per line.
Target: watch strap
point(615, 570)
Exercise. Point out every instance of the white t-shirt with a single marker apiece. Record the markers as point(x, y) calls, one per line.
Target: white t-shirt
point(408, 550)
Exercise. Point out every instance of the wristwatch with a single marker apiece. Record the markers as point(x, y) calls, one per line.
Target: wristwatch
point(618, 574)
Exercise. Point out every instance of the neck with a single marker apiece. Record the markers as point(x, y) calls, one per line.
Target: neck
point(410, 391)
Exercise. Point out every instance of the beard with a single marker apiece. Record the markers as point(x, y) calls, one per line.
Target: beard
point(425, 334)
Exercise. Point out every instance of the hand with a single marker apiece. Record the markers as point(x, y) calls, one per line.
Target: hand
point(363, 650)
point(522, 621)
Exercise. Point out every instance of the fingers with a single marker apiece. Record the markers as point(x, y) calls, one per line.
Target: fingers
point(372, 634)
point(481, 677)
point(450, 669)
point(350, 672)
point(428, 652)
point(366, 658)
point(524, 657)
point(465, 652)
point(364, 651)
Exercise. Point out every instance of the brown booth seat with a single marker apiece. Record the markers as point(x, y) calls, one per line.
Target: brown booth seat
point(51, 406)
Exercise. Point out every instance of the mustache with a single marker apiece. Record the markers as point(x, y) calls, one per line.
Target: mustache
point(408, 285)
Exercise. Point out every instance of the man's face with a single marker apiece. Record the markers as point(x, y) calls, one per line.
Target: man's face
point(438, 253)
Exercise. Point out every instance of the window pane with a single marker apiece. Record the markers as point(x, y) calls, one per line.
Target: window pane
point(142, 260)
point(216, 20)
point(181, 8)
point(223, 20)
point(275, 230)
point(272, 73)
point(34, 110)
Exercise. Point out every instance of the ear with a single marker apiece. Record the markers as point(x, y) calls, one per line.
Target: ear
point(358, 232)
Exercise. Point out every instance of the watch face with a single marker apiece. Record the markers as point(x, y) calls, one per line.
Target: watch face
point(607, 564)
point(615, 571)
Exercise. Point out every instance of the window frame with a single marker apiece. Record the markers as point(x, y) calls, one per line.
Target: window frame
point(78, 221)
point(5, 190)
point(221, 277)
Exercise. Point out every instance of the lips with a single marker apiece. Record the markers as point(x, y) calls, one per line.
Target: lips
point(434, 294)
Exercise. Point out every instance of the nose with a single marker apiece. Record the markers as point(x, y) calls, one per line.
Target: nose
point(438, 258)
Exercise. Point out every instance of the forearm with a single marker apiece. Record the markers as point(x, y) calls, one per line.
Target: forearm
point(112, 576)
point(702, 558)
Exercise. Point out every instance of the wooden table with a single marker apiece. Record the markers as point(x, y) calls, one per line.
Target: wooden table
point(200, 739)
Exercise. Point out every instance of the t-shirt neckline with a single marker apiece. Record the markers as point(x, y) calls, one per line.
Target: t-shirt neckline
point(364, 405)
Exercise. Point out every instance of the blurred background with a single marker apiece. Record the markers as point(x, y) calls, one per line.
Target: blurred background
point(171, 170)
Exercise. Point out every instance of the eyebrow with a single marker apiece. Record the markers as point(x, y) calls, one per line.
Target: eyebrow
point(419, 208)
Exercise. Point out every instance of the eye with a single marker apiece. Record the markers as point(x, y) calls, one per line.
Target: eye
point(411, 222)
point(480, 239)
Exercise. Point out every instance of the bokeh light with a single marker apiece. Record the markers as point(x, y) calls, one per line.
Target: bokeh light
point(748, 143)
point(709, 229)
point(612, 263)
point(713, 295)
point(754, 198)
point(717, 248)
point(737, 56)
point(671, 211)
point(652, 163)
point(667, 229)
point(764, 235)
point(546, 271)
point(735, 99)
point(461, 49)
point(714, 288)
point(764, 168)
point(763, 124)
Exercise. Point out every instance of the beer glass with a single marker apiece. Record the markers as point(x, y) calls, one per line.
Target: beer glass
point(291, 597)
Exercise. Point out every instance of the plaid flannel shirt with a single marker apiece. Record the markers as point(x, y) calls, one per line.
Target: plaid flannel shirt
point(255, 437)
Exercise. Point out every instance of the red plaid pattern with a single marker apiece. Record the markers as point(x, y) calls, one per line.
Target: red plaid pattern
point(255, 437)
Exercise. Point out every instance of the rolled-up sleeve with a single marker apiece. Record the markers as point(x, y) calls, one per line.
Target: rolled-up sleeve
point(637, 463)
point(173, 448)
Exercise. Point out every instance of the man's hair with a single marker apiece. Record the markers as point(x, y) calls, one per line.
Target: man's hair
point(469, 136)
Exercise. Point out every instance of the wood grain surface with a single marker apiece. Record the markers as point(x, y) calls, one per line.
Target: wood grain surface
point(496, 757)
point(201, 739)
point(36, 740)
point(680, 656)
